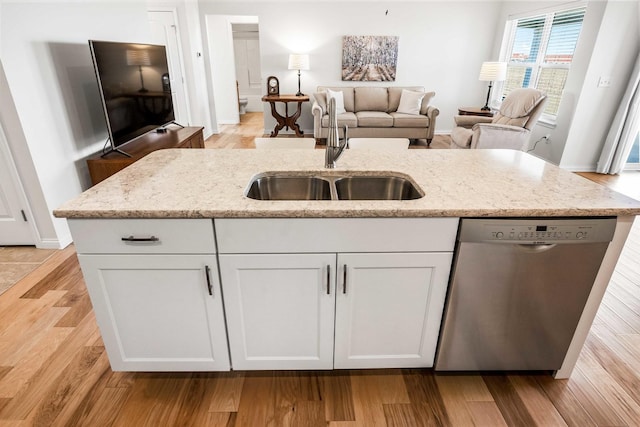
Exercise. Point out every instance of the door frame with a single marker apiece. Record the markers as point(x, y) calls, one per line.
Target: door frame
point(180, 58)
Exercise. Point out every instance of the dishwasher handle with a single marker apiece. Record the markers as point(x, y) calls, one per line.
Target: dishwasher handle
point(535, 248)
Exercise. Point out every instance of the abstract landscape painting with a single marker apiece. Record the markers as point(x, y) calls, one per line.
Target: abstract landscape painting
point(369, 58)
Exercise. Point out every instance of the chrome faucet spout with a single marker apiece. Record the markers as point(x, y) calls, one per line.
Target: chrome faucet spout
point(334, 146)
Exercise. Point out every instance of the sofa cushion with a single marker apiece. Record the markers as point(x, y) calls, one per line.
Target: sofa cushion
point(371, 99)
point(410, 102)
point(374, 119)
point(347, 94)
point(401, 120)
point(339, 97)
point(347, 118)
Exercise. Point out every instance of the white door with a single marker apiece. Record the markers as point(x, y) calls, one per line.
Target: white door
point(164, 30)
point(157, 312)
point(14, 228)
point(280, 310)
point(388, 311)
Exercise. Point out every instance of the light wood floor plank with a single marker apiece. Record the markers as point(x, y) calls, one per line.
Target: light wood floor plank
point(337, 396)
point(226, 391)
point(591, 400)
point(27, 367)
point(538, 404)
point(42, 380)
point(154, 400)
point(485, 414)
point(513, 409)
point(572, 412)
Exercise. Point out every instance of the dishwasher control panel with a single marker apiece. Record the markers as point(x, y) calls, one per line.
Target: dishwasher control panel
point(531, 231)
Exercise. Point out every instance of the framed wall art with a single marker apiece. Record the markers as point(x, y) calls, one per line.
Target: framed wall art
point(369, 58)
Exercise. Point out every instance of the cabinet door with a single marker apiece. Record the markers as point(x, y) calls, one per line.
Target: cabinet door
point(388, 312)
point(156, 312)
point(280, 310)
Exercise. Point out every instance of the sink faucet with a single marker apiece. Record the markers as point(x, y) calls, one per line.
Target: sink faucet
point(334, 146)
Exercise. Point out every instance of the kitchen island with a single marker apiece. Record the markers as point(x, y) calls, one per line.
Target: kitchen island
point(152, 256)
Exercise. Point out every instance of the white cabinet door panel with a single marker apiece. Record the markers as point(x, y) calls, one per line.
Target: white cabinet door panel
point(280, 310)
point(389, 312)
point(155, 312)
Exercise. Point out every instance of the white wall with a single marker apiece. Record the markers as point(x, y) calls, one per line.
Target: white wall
point(614, 55)
point(48, 69)
point(440, 47)
point(193, 61)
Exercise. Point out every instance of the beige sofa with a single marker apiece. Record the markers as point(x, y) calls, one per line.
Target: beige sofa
point(371, 112)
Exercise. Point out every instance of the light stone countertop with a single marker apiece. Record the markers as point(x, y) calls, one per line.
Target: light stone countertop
point(179, 183)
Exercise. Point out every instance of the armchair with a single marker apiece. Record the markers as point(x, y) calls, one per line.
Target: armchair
point(509, 128)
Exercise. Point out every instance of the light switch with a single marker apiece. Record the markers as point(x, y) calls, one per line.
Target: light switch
point(604, 81)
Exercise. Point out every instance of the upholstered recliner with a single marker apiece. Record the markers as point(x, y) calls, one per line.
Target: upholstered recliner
point(509, 128)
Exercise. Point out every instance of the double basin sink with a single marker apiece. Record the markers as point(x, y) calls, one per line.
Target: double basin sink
point(332, 186)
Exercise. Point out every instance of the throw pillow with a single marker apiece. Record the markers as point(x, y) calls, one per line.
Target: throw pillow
point(410, 102)
point(339, 97)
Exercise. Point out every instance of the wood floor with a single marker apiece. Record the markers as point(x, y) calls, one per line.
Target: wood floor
point(54, 372)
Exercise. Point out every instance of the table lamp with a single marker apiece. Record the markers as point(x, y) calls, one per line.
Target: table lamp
point(139, 57)
point(492, 72)
point(298, 62)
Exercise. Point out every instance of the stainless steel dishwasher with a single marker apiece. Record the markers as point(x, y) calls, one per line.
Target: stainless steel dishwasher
point(517, 290)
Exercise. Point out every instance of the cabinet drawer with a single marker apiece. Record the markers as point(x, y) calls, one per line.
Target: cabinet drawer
point(143, 236)
point(304, 235)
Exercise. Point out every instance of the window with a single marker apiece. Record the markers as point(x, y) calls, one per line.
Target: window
point(539, 54)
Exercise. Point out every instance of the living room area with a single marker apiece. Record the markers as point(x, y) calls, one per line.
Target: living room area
point(441, 47)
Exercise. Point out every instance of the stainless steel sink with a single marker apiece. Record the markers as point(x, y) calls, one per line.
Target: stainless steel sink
point(332, 186)
point(376, 188)
point(277, 187)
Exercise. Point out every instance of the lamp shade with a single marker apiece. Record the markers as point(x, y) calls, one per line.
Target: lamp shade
point(493, 72)
point(298, 61)
point(138, 57)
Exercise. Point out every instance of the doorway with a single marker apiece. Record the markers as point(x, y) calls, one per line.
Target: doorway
point(223, 63)
point(246, 51)
point(633, 161)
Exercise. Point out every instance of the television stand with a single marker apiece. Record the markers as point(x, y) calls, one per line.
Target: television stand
point(102, 166)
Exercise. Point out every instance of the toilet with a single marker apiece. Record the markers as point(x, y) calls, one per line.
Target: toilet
point(242, 104)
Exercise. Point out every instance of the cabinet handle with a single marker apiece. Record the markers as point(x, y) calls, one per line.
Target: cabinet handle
point(207, 274)
point(344, 280)
point(140, 239)
point(328, 279)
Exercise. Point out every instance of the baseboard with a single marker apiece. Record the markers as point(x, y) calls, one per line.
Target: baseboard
point(53, 243)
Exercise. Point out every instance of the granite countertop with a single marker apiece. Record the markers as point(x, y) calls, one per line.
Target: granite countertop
point(178, 183)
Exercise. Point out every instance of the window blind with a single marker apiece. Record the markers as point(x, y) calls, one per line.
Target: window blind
point(541, 51)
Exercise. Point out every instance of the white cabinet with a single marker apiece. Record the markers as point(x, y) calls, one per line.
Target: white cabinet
point(288, 305)
point(388, 309)
point(159, 308)
point(279, 310)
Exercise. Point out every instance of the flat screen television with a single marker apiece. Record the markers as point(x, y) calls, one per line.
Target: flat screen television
point(133, 81)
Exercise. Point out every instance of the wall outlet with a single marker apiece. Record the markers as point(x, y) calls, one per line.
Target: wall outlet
point(604, 81)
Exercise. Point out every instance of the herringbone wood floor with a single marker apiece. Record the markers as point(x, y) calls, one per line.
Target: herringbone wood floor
point(54, 372)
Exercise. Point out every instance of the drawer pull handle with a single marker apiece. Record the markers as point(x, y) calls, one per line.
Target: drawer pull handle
point(140, 239)
point(207, 273)
point(344, 280)
point(328, 279)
